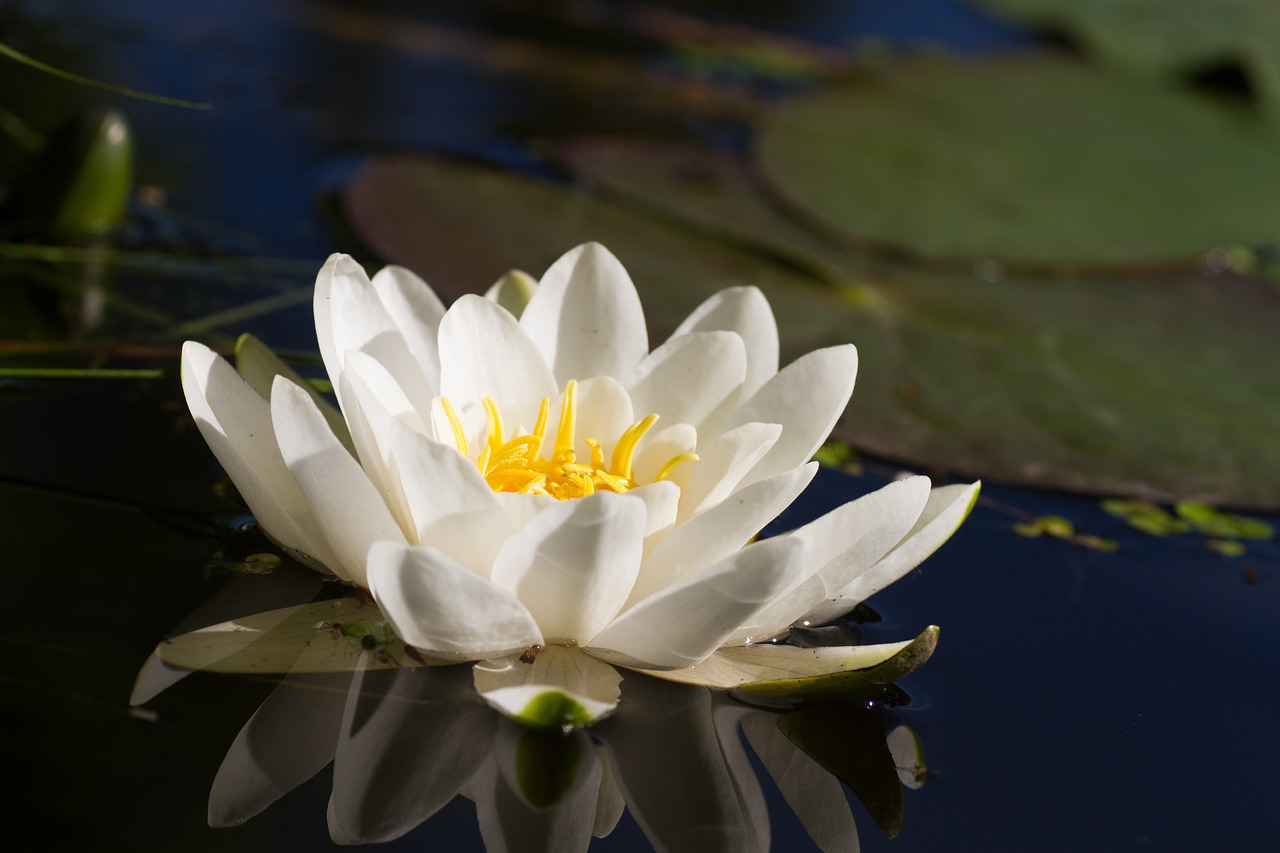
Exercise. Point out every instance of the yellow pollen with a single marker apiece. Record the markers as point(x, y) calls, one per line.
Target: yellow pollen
point(517, 464)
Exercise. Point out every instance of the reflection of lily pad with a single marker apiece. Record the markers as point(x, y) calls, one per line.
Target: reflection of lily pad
point(1026, 160)
point(1162, 388)
point(850, 743)
point(1159, 36)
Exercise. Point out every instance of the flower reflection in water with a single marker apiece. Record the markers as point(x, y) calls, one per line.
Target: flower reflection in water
point(404, 740)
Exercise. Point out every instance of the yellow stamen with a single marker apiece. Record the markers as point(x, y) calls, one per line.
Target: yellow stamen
point(597, 452)
point(516, 465)
point(679, 459)
point(625, 451)
point(494, 418)
point(459, 434)
point(568, 420)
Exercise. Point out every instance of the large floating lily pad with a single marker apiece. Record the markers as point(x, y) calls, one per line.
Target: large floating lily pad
point(1030, 161)
point(1159, 36)
point(1159, 387)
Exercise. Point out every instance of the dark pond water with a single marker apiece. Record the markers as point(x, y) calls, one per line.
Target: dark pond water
point(1079, 700)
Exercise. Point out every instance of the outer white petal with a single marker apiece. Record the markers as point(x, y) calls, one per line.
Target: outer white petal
point(807, 398)
point(260, 366)
point(586, 318)
point(451, 505)
point(691, 379)
point(946, 509)
point(535, 693)
point(350, 316)
point(374, 401)
point(743, 310)
point(437, 605)
point(485, 353)
point(844, 544)
point(686, 622)
point(346, 504)
point(722, 464)
point(236, 424)
point(416, 310)
point(719, 531)
point(574, 563)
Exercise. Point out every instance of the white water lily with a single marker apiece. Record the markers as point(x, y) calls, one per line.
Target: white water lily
point(540, 492)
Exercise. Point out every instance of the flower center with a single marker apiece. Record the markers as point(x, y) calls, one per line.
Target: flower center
point(519, 465)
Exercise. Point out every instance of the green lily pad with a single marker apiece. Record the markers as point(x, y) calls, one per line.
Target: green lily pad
point(1025, 161)
point(1156, 36)
point(1160, 388)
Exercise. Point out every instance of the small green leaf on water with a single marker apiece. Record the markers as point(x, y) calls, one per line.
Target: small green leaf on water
point(554, 711)
point(1048, 525)
point(1097, 543)
point(1146, 516)
point(1226, 547)
point(1209, 521)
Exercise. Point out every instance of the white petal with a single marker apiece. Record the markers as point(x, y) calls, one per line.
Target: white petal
point(586, 318)
point(807, 397)
point(719, 531)
point(692, 379)
point(844, 544)
point(662, 445)
point(561, 688)
point(452, 506)
point(686, 622)
point(345, 502)
point(374, 401)
point(236, 424)
point(485, 353)
point(573, 564)
point(437, 605)
point(743, 310)
point(350, 316)
point(722, 464)
point(945, 510)
point(661, 502)
point(604, 413)
point(260, 366)
point(416, 310)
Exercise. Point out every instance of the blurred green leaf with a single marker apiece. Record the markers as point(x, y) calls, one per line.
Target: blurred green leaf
point(1159, 37)
point(1025, 160)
